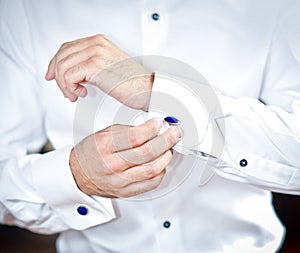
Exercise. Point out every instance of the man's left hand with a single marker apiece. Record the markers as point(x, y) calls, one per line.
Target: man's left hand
point(96, 60)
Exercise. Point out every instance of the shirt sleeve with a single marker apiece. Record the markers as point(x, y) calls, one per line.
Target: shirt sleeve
point(37, 191)
point(254, 140)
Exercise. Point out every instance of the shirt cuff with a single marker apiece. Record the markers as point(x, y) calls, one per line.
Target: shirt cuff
point(174, 97)
point(245, 164)
point(53, 179)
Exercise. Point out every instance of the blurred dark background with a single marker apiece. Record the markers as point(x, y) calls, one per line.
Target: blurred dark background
point(16, 240)
point(288, 209)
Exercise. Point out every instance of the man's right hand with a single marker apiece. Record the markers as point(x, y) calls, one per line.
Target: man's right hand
point(123, 161)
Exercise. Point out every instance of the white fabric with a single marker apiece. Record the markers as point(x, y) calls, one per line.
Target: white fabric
point(245, 49)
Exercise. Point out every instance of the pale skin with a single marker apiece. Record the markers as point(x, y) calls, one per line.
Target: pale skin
point(119, 161)
point(84, 60)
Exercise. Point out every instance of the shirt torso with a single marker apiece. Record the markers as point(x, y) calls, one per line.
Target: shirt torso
point(227, 42)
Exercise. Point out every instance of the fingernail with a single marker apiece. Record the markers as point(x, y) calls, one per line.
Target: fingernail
point(177, 131)
point(159, 122)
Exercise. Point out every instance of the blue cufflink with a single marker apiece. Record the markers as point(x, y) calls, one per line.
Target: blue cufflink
point(171, 120)
point(82, 210)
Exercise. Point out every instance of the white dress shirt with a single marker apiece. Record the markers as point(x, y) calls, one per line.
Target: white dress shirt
point(246, 49)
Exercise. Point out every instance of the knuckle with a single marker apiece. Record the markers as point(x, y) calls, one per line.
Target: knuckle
point(134, 137)
point(171, 138)
point(97, 50)
point(129, 178)
point(168, 156)
point(60, 62)
point(153, 125)
point(156, 182)
point(98, 37)
point(145, 149)
point(151, 171)
point(60, 66)
point(111, 166)
point(106, 170)
point(64, 88)
point(61, 83)
point(126, 160)
point(68, 74)
point(104, 167)
point(94, 60)
point(161, 176)
point(114, 191)
point(100, 141)
point(122, 183)
point(64, 45)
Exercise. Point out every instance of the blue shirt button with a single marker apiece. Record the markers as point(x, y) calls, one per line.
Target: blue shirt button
point(167, 224)
point(171, 120)
point(243, 163)
point(155, 16)
point(82, 210)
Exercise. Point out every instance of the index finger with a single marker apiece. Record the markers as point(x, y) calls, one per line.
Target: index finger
point(152, 149)
point(135, 136)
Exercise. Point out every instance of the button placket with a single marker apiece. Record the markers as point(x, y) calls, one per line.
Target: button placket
point(155, 16)
point(243, 163)
point(167, 224)
point(154, 30)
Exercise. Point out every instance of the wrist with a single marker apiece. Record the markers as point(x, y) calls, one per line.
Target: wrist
point(149, 80)
point(81, 180)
